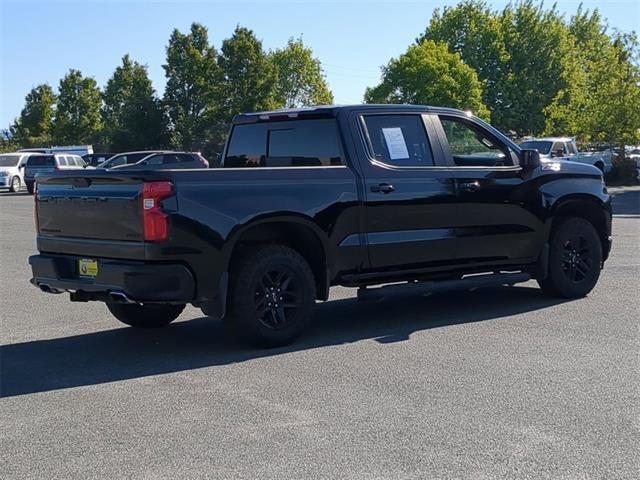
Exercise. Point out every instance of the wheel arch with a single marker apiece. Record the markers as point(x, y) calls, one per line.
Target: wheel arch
point(588, 207)
point(296, 232)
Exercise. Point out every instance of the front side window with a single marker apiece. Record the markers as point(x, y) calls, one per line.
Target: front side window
point(9, 160)
point(294, 143)
point(398, 140)
point(470, 146)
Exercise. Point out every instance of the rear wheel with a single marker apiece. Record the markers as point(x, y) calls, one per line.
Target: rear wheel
point(30, 188)
point(575, 259)
point(15, 184)
point(272, 297)
point(149, 315)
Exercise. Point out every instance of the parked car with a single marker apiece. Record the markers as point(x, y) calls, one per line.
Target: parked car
point(417, 199)
point(167, 160)
point(63, 149)
point(12, 170)
point(95, 159)
point(126, 158)
point(564, 148)
point(49, 163)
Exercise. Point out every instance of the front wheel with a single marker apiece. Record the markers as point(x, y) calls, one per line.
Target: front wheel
point(575, 259)
point(15, 184)
point(149, 315)
point(30, 188)
point(272, 296)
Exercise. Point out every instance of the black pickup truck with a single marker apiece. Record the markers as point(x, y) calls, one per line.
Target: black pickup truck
point(412, 198)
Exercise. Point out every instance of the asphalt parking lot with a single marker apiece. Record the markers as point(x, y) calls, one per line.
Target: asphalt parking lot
point(500, 383)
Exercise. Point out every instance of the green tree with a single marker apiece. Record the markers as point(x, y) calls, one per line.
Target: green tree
point(248, 76)
point(429, 74)
point(601, 103)
point(33, 126)
point(473, 31)
point(300, 78)
point(540, 65)
point(131, 112)
point(616, 104)
point(8, 142)
point(77, 119)
point(191, 94)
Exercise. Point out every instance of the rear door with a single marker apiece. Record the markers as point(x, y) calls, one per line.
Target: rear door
point(409, 194)
point(492, 222)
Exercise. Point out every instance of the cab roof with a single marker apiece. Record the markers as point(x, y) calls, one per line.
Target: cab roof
point(330, 111)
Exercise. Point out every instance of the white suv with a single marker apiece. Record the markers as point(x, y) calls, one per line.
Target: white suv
point(47, 163)
point(12, 170)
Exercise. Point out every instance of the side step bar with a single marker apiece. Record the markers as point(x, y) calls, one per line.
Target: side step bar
point(426, 288)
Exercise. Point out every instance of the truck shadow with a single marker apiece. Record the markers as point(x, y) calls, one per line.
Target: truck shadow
point(127, 353)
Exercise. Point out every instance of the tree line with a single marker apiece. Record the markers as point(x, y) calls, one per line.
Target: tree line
point(205, 88)
point(527, 69)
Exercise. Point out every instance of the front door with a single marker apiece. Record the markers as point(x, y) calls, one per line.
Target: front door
point(410, 196)
point(495, 221)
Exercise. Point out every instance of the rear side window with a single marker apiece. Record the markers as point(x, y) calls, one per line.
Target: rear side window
point(299, 143)
point(62, 161)
point(41, 161)
point(398, 140)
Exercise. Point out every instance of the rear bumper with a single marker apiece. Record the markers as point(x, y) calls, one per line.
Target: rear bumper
point(136, 281)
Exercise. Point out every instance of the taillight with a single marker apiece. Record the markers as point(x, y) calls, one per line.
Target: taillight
point(155, 221)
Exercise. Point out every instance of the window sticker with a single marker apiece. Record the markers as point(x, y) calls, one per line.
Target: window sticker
point(395, 143)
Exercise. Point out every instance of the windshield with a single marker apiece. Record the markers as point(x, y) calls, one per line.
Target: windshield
point(9, 160)
point(540, 146)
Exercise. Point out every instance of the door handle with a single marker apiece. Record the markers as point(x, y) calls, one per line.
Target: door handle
point(382, 188)
point(470, 186)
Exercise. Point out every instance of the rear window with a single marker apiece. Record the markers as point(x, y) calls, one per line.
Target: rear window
point(9, 160)
point(41, 161)
point(299, 143)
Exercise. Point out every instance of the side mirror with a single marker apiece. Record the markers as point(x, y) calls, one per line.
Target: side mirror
point(529, 159)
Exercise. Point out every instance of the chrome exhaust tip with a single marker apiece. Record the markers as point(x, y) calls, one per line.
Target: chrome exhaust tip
point(120, 297)
point(49, 289)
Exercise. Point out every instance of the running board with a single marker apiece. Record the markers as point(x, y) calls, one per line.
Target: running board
point(427, 288)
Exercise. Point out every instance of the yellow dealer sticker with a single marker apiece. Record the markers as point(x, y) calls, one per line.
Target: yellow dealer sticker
point(88, 268)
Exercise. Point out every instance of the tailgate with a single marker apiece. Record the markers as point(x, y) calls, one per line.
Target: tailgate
point(91, 205)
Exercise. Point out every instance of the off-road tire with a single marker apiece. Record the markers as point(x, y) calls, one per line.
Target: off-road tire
point(575, 259)
point(271, 297)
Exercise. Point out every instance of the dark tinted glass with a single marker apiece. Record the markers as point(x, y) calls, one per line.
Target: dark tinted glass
point(247, 146)
point(399, 140)
point(540, 146)
point(41, 161)
point(300, 143)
